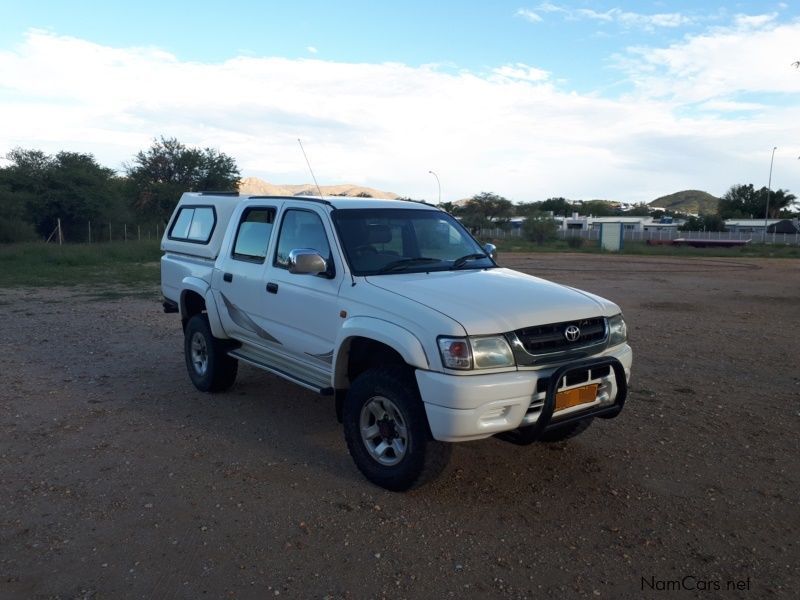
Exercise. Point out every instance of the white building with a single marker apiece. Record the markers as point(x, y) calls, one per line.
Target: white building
point(584, 223)
point(748, 225)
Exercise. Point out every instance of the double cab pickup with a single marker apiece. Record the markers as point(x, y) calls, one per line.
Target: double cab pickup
point(397, 313)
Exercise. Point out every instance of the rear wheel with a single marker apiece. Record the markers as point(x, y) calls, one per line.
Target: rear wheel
point(387, 433)
point(210, 368)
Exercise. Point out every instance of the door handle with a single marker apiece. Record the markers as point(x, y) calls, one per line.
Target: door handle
point(227, 277)
point(272, 288)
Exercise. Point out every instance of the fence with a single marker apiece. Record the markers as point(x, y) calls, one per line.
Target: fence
point(755, 237)
point(105, 232)
point(124, 232)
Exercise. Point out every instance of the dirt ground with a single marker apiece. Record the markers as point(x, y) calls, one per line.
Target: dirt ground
point(119, 480)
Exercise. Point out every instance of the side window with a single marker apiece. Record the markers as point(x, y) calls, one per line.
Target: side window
point(301, 229)
point(252, 236)
point(194, 224)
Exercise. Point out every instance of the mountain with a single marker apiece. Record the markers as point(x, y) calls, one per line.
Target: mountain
point(688, 201)
point(259, 187)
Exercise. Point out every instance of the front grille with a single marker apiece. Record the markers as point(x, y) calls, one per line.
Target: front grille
point(544, 339)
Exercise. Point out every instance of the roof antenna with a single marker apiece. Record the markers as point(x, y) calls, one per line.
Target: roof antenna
point(321, 197)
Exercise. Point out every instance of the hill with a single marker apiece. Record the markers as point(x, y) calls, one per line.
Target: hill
point(259, 187)
point(688, 201)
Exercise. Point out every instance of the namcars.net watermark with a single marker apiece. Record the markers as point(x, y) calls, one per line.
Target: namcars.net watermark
point(695, 583)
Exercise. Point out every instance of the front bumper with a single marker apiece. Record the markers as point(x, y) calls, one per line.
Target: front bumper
point(472, 407)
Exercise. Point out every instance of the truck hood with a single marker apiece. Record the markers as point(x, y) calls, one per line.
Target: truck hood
point(495, 300)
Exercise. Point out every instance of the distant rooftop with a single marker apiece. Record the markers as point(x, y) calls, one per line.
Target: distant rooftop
point(751, 222)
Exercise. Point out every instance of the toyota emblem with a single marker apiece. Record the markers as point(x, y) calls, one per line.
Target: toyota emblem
point(572, 333)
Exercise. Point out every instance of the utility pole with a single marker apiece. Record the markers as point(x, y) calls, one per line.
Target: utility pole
point(439, 184)
point(769, 193)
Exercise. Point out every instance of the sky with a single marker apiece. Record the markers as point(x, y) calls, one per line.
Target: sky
point(583, 99)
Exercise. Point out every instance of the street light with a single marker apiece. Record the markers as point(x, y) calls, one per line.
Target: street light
point(769, 192)
point(439, 184)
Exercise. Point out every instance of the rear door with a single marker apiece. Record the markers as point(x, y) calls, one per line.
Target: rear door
point(239, 280)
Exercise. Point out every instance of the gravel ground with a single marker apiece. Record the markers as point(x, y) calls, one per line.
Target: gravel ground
point(119, 480)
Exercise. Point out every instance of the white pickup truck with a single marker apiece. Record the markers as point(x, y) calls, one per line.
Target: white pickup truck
point(394, 310)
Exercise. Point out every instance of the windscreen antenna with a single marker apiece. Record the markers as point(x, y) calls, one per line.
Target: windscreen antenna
point(352, 279)
point(321, 197)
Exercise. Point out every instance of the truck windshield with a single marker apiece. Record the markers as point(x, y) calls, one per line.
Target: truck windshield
point(405, 240)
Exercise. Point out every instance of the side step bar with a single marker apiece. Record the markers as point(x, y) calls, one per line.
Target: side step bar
point(239, 355)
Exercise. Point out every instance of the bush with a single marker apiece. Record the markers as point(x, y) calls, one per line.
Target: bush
point(12, 231)
point(539, 229)
point(575, 242)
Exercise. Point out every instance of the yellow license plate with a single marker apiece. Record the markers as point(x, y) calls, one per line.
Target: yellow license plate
point(582, 395)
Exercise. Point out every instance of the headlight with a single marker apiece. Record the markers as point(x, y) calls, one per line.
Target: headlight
point(617, 330)
point(491, 352)
point(487, 352)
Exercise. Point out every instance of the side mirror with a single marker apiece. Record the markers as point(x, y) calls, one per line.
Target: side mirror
point(306, 261)
point(491, 250)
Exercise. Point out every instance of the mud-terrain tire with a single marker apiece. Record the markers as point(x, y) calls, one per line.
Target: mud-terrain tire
point(561, 434)
point(387, 432)
point(210, 368)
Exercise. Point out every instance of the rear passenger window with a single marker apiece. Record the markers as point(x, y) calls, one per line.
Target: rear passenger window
point(252, 237)
point(194, 224)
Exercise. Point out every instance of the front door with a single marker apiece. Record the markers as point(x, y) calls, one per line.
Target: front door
point(303, 310)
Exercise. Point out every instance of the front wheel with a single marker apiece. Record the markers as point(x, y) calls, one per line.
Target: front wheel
point(386, 431)
point(210, 368)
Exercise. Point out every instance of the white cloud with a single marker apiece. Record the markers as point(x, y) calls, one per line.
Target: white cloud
point(529, 15)
point(617, 15)
point(754, 21)
point(718, 64)
point(511, 130)
point(549, 7)
point(312, 49)
point(522, 71)
point(588, 13)
point(731, 106)
point(632, 19)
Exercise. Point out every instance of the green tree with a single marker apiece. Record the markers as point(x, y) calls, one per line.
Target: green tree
point(539, 228)
point(158, 176)
point(560, 207)
point(640, 210)
point(79, 190)
point(704, 223)
point(14, 223)
point(71, 186)
point(22, 182)
point(486, 210)
point(448, 207)
point(598, 208)
point(525, 209)
point(744, 201)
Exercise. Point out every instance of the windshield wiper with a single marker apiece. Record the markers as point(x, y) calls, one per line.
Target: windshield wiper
point(404, 263)
point(460, 262)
